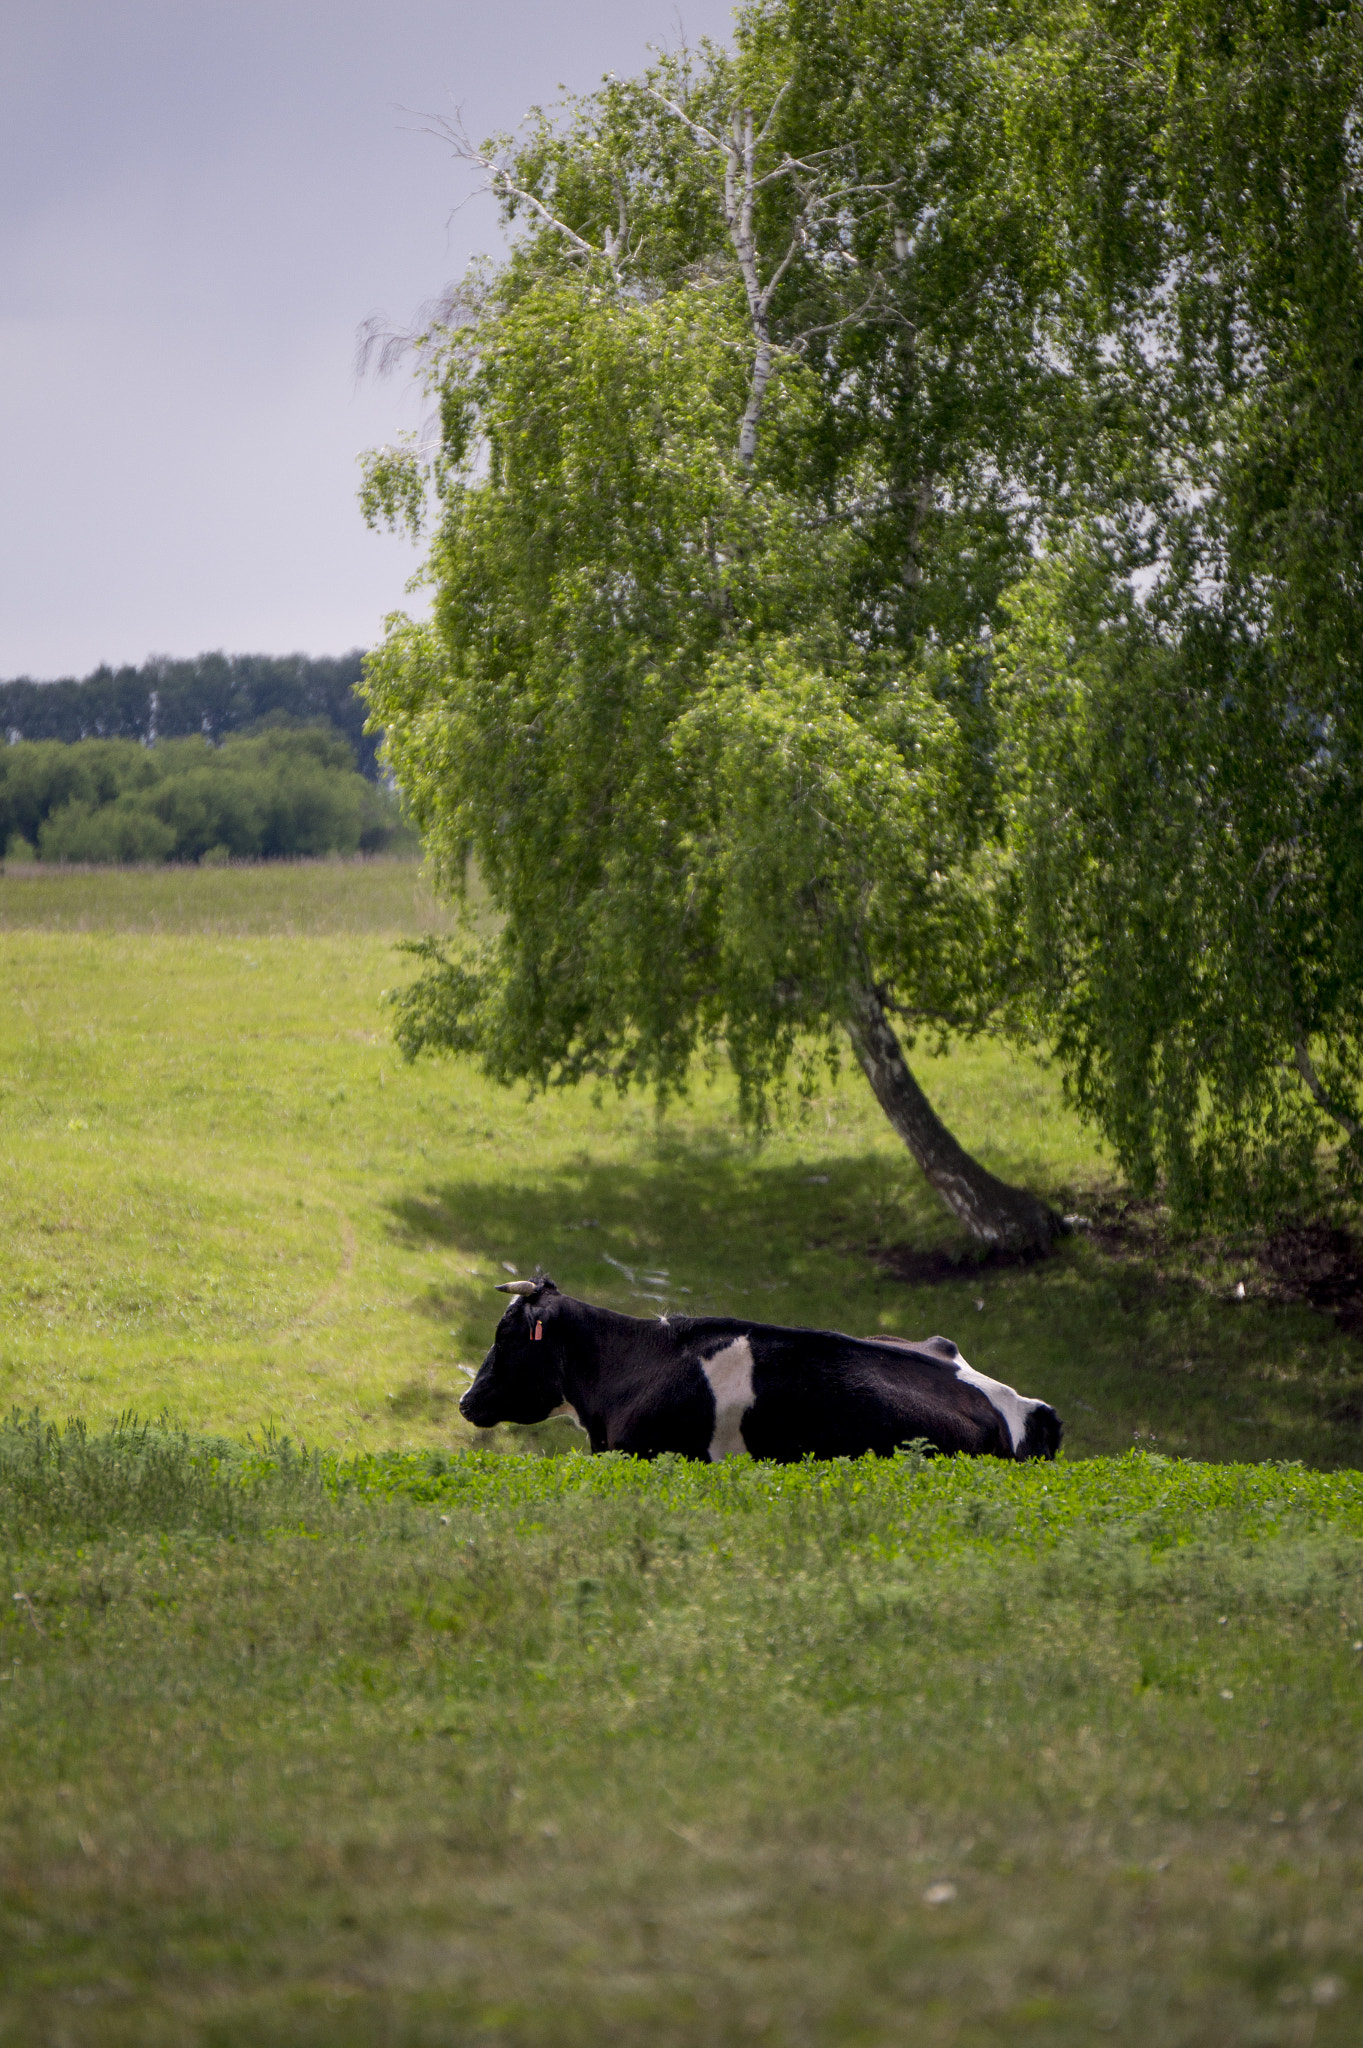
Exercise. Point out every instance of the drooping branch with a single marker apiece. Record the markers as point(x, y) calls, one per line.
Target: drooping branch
point(1307, 1069)
point(1288, 852)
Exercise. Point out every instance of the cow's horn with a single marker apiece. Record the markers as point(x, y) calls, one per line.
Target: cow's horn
point(518, 1287)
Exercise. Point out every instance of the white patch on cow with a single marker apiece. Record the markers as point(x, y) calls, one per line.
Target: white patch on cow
point(730, 1375)
point(567, 1409)
point(1012, 1406)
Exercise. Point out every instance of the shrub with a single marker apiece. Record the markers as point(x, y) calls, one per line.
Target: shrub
point(285, 790)
point(120, 831)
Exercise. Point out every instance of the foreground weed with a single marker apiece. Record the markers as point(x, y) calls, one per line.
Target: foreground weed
point(142, 1476)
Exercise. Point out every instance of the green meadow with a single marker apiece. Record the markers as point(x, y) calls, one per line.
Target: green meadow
point(324, 1720)
point(227, 1198)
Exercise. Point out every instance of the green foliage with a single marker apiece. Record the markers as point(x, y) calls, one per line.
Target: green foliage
point(1184, 670)
point(712, 725)
point(286, 791)
point(1191, 878)
point(927, 1506)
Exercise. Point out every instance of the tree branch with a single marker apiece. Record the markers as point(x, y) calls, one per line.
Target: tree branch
point(614, 250)
point(741, 183)
point(737, 151)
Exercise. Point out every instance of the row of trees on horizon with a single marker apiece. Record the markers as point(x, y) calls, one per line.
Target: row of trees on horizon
point(211, 696)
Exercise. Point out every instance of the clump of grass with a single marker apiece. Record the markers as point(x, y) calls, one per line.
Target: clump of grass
point(138, 1476)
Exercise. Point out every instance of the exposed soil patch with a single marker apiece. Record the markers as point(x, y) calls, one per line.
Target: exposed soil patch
point(931, 1268)
point(1317, 1264)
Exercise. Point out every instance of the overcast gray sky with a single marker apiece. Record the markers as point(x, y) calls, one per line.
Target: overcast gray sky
point(202, 199)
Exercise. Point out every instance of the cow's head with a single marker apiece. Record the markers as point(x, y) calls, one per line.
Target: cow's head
point(518, 1381)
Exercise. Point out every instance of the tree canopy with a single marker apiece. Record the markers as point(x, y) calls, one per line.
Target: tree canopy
point(722, 520)
point(1183, 669)
point(871, 534)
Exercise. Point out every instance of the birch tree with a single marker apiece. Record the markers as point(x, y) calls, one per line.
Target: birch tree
point(1184, 670)
point(730, 479)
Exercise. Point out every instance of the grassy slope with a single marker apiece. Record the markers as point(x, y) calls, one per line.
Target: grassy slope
point(613, 1753)
point(226, 1197)
point(958, 1754)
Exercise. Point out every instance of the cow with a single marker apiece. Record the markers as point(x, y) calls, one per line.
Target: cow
point(712, 1387)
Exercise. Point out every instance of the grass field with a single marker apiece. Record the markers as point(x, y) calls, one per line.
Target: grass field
point(405, 1745)
point(227, 1198)
point(568, 1751)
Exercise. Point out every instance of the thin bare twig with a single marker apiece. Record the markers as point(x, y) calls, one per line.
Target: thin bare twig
point(383, 347)
point(26, 1607)
point(741, 182)
point(614, 250)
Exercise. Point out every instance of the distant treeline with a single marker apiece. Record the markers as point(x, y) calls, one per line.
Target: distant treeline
point(285, 790)
point(212, 696)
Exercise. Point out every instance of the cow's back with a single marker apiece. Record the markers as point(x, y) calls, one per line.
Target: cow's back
point(818, 1393)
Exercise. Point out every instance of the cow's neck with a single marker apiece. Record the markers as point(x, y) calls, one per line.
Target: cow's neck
point(599, 1354)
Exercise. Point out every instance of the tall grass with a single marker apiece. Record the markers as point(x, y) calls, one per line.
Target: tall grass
point(71, 1482)
point(342, 896)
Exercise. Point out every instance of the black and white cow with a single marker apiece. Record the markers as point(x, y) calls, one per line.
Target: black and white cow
point(713, 1387)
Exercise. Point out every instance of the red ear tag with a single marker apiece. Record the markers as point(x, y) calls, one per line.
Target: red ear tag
point(539, 1333)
